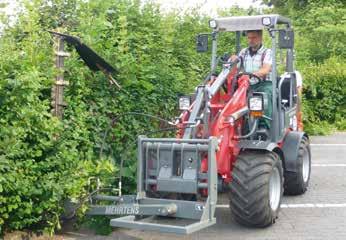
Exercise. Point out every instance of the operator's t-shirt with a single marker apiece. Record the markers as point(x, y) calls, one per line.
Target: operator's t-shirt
point(254, 63)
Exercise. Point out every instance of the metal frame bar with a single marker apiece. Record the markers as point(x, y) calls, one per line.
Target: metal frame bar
point(129, 222)
point(193, 115)
point(212, 90)
point(140, 190)
point(276, 110)
point(244, 23)
point(214, 36)
point(237, 42)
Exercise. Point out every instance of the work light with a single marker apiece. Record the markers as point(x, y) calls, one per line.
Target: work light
point(266, 21)
point(256, 103)
point(256, 106)
point(212, 23)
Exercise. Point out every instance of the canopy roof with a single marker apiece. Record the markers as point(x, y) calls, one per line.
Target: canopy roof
point(245, 23)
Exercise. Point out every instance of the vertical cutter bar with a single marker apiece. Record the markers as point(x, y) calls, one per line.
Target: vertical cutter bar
point(57, 92)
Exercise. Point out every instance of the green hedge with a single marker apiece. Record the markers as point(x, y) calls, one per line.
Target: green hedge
point(320, 51)
point(44, 161)
point(324, 96)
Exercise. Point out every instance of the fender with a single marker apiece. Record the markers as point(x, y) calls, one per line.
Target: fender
point(263, 146)
point(290, 149)
point(257, 145)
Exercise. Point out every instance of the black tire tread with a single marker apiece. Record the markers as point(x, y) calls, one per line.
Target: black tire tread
point(249, 199)
point(294, 184)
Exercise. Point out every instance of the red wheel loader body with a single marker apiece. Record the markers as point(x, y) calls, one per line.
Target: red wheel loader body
point(225, 142)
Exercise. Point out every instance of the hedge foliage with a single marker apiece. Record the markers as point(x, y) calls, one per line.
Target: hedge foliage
point(320, 54)
point(44, 161)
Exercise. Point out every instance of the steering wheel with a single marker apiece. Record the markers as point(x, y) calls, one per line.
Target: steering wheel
point(251, 75)
point(225, 60)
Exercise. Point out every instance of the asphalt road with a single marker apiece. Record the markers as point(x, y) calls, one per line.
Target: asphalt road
point(318, 214)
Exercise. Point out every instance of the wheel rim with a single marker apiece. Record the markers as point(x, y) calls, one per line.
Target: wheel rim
point(274, 189)
point(306, 165)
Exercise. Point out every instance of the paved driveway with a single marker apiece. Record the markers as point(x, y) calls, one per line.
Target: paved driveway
point(318, 214)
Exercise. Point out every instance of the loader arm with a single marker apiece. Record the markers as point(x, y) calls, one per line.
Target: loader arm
point(227, 125)
point(203, 109)
point(213, 109)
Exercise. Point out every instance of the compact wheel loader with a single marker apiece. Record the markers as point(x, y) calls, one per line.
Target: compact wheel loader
point(228, 140)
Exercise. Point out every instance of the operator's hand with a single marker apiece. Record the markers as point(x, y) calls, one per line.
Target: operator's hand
point(254, 78)
point(233, 58)
point(255, 74)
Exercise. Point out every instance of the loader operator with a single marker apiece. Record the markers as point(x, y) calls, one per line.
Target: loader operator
point(257, 59)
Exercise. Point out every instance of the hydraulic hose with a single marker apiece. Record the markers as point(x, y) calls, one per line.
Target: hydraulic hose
point(252, 131)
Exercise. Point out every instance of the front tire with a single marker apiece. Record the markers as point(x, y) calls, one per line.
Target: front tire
point(257, 188)
point(297, 182)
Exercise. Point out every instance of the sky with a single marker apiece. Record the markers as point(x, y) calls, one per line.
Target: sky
point(208, 7)
point(11, 5)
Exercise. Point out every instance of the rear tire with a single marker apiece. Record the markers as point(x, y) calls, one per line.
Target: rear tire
point(297, 182)
point(256, 189)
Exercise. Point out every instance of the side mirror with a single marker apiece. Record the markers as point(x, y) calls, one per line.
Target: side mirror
point(202, 43)
point(286, 39)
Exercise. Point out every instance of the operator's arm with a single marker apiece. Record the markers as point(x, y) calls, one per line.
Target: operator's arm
point(266, 65)
point(263, 71)
point(235, 57)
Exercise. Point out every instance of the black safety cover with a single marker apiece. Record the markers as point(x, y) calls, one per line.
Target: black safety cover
point(89, 56)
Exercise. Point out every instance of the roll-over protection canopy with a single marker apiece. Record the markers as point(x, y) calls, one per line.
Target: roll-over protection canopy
point(244, 23)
